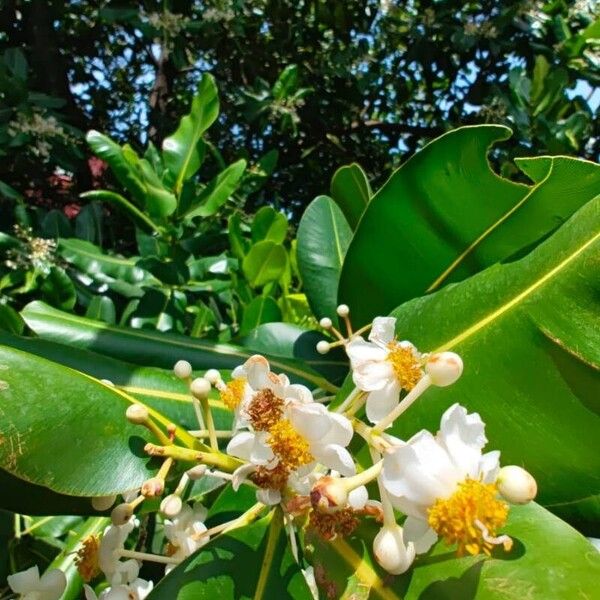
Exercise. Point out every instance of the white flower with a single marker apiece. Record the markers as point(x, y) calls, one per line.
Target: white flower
point(390, 550)
point(184, 531)
point(117, 571)
point(446, 486)
point(136, 590)
point(30, 586)
point(383, 367)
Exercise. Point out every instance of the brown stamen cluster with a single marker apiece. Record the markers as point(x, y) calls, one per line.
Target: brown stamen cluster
point(87, 558)
point(331, 524)
point(265, 409)
point(271, 479)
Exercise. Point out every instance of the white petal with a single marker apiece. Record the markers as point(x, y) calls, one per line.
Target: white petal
point(241, 445)
point(239, 372)
point(142, 588)
point(257, 371)
point(116, 592)
point(463, 435)
point(298, 392)
point(340, 431)
point(311, 421)
point(358, 497)
point(52, 584)
point(261, 453)
point(241, 474)
point(373, 375)
point(380, 403)
point(360, 351)
point(489, 466)
point(334, 457)
point(268, 497)
point(383, 330)
point(89, 592)
point(419, 533)
point(24, 581)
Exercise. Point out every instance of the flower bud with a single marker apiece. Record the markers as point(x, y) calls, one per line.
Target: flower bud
point(171, 506)
point(343, 310)
point(212, 376)
point(516, 485)
point(197, 472)
point(200, 388)
point(182, 369)
point(390, 550)
point(121, 514)
point(444, 368)
point(152, 487)
point(323, 347)
point(326, 323)
point(329, 494)
point(137, 413)
point(102, 503)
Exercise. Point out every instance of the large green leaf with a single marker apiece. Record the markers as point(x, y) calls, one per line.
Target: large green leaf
point(92, 261)
point(253, 561)
point(528, 334)
point(217, 191)
point(123, 170)
point(153, 348)
point(269, 224)
point(265, 262)
point(549, 560)
point(65, 430)
point(262, 309)
point(323, 238)
point(180, 153)
point(445, 215)
point(351, 191)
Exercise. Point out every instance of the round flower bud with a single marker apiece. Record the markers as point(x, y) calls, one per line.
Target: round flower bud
point(516, 485)
point(200, 388)
point(152, 487)
point(390, 550)
point(329, 494)
point(182, 369)
point(102, 503)
point(444, 368)
point(137, 413)
point(323, 347)
point(343, 310)
point(121, 514)
point(326, 323)
point(171, 506)
point(212, 376)
point(197, 472)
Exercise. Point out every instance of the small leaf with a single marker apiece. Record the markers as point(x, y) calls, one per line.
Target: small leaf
point(58, 289)
point(351, 191)
point(101, 308)
point(265, 262)
point(262, 309)
point(269, 224)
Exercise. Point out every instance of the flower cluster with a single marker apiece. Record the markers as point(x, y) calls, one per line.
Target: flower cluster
point(293, 449)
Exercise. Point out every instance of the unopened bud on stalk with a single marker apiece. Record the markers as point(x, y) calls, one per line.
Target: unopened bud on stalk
point(326, 323)
point(212, 376)
point(137, 413)
point(102, 503)
point(152, 487)
point(516, 485)
point(121, 514)
point(182, 369)
point(323, 347)
point(390, 550)
point(343, 310)
point(197, 472)
point(171, 506)
point(444, 368)
point(200, 388)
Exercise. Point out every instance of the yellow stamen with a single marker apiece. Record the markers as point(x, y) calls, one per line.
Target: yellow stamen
point(233, 392)
point(470, 517)
point(406, 366)
point(289, 446)
point(87, 558)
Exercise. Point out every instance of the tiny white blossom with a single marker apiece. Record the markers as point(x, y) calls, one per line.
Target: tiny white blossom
point(136, 590)
point(30, 586)
point(183, 531)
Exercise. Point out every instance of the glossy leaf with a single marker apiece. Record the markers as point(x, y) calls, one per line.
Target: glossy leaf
point(217, 191)
point(58, 289)
point(535, 386)
point(351, 191)
point(269, 224)
point(180, 153)
point(253, 561)
point(549, 559)
point(445, 215)
point(262, 309)
point(323, 238)
point(70, 436)
point(101, 308)
point(11, 320)
point(154, 348)
point(265, 262)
